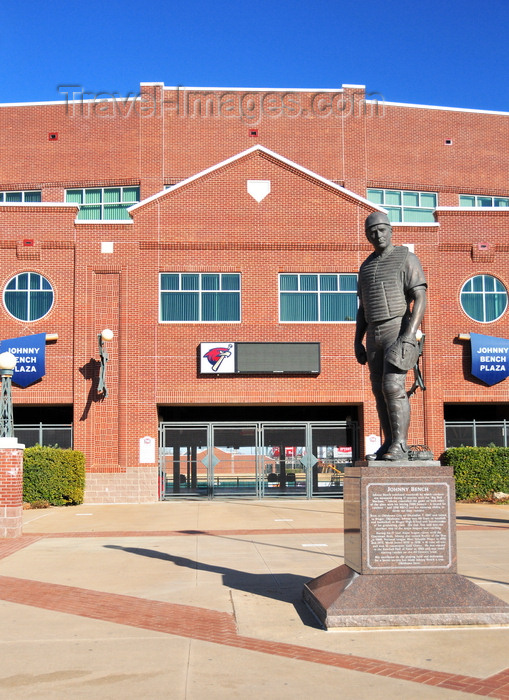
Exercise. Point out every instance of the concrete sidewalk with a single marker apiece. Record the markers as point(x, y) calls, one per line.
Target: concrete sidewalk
point(199, 600)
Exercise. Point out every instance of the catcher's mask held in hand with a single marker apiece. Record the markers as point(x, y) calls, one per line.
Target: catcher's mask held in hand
point(403, 353)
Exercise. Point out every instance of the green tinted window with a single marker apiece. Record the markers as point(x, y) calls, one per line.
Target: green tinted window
point(108, 203)
point(200, 297)
point(305, 298)
point(403, 206)
point(28, 296)
point(483, 298)
point(470, 200)
point(21, 196)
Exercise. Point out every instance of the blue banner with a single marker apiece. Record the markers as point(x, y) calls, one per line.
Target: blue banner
point(490, 358)
point(30, 351)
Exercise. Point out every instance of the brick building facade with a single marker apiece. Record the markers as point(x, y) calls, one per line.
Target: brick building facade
point(180, 217)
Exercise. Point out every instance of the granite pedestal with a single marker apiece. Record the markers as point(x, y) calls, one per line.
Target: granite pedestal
point(400, 554)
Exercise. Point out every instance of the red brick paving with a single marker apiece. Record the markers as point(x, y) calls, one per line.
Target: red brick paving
point(10, 546)
point(212, 626)
point(211, 533)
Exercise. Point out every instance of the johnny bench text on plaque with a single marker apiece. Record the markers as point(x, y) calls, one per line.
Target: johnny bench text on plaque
point(408, 525)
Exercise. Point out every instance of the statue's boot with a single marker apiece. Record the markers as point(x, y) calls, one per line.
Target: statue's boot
point(399, 415)
point(385, 423)
point(396, 452)
point(380, 452)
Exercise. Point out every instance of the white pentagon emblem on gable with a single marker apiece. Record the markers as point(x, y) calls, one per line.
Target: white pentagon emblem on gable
point(258, 189)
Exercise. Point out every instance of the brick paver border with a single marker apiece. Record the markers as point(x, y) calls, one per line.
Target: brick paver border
point(11, 546)
point(212, 626)
point(219, 628)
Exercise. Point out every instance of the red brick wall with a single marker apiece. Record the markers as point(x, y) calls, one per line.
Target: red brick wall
point(336, 134)
point(213, 224)
point(406, 149)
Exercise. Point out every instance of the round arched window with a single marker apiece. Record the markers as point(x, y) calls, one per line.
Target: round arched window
point(28, 296)
point(484, 298)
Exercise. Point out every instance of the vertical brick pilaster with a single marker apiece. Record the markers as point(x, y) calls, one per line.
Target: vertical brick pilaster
point(105, 415)
point(354, 135)
point(151, 128)
point(11, 487)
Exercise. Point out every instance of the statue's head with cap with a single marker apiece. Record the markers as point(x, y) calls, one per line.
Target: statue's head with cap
point(379, 231)
point(376, 217)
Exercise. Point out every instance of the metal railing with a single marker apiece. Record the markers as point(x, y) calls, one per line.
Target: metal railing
point(476, 433)
point(47, 434)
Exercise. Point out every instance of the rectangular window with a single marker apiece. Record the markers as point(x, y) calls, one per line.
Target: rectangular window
point(106, 203)
point(21, 196)
point(406, 207)
point(199, 297)
point(474, 200)
point(328, 298)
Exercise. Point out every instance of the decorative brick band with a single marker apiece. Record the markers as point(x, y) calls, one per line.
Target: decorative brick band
point(226, 245)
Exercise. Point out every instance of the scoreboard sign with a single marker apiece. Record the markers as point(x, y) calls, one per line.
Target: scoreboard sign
point(259, 358)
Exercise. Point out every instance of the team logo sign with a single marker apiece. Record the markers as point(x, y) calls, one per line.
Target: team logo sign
point(217, 358)
point(30, 353)
point(490, 358)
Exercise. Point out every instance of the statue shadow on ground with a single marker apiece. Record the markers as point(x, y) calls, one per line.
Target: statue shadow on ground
point(283, 587)
point(495, 521)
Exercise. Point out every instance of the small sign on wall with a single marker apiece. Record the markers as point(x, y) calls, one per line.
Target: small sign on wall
point(372, 443)
point(490, 358)
point(147, 450)
point(217, 358)
point(30, 353)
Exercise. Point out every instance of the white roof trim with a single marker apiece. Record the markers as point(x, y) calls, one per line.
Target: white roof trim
point(446, 109)
point(115, 222)
point(130, 98)
point(268, 152)
point(253, 89)
point(414, 224)
point(33, 104)
point(256, 89)
point(474, 209)
point(39, 204)
point(91, 100)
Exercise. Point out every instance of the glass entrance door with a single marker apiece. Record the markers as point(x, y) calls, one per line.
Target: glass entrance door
point(283, 450)
point(184, 457)
point(332, 449)
point(234, 461)
point(255, 459)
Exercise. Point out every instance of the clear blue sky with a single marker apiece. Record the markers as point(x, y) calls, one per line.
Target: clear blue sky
point(438, 52)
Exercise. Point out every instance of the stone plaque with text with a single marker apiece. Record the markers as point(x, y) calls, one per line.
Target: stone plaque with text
point(408, 525)
point(400, 519)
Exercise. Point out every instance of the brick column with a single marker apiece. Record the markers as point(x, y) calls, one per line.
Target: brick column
point(11, 487)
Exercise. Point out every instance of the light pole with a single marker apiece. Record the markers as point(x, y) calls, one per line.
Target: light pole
point(7, 364)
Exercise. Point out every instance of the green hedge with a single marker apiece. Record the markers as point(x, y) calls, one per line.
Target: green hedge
point(479, 471)
point(54, 475)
